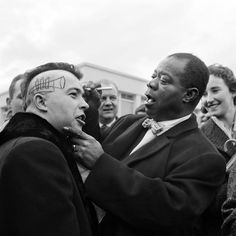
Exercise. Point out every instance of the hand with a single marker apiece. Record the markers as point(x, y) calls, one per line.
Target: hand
point(91, 95)
point(86, 148)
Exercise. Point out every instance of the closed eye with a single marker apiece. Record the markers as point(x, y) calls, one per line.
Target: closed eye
point(164, 79)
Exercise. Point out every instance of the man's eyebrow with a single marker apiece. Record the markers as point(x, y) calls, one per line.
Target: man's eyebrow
point(215, 87)
point(78, 90)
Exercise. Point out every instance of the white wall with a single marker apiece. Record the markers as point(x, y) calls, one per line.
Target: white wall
point(125, 82)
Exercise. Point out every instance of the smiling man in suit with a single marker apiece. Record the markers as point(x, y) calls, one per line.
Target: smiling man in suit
point(156, 174)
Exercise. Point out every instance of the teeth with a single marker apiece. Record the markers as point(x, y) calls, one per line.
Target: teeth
point(150, 100)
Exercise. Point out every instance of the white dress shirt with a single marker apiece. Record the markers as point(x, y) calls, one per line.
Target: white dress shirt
point(166, 126)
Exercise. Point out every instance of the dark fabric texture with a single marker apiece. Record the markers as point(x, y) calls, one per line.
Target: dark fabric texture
point(91, 123)
point(41, 190)
point(229, 206)
point(217, 136)
point(213, 217)
point(161, 189)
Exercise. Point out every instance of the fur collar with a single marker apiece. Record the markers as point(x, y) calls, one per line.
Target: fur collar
point(30, 125)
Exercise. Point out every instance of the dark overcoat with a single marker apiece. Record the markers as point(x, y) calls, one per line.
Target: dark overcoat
point(162, 188)
point(41, 192)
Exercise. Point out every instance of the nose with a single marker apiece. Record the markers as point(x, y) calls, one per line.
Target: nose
point(209, 97)
point(83, 105)
point(107, 101)
point(153, 84)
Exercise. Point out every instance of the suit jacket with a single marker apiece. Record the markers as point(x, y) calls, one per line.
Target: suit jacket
point(160, 189)
point(218, 137)
point(229, 206)
point(41, 192)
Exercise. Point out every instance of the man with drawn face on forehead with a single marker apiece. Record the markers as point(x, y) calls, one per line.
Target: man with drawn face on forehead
point(41, 191)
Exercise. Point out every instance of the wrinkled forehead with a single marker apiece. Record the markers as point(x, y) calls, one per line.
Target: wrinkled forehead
point(49, 81)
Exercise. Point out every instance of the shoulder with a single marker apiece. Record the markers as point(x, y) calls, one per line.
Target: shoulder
point(35, 143)
point(33, 151)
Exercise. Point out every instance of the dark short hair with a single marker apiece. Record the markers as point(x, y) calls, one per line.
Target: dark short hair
point(225, 74)
point(29, 75)
point(12, 88)
point(196, 73)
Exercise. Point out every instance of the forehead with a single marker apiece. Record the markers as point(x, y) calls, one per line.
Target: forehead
point(53, 79)
point(109, 92)
point(215, 81)
point(172, 65)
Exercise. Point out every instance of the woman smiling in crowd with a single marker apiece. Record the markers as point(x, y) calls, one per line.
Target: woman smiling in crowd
point(219, 101)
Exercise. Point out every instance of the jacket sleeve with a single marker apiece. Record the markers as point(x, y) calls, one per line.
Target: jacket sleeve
point(39, 191)
point(229, 206)
point(147, 203)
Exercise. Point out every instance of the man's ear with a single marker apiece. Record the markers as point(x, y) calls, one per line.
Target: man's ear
point(190, 95)
point(40, 102)
point(8, 101)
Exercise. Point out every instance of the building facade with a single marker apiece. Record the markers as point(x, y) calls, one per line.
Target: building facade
point(131, 88)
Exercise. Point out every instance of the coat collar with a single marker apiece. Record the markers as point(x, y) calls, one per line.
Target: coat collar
point(25, 124)
point(131, 137)
point(161, 141)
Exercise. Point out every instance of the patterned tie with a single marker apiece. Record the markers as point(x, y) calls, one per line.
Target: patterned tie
point(155, 127)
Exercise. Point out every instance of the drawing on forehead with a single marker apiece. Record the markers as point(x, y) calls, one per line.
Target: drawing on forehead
point(48, 85)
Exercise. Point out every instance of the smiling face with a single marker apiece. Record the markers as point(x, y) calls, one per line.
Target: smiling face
point(165, 91)
point(109, 105)
point(58, 94)
point(218, 99)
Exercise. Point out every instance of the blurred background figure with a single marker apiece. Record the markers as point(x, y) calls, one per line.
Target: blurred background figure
point(219, 103)
point(14, 101)
point(109, 106)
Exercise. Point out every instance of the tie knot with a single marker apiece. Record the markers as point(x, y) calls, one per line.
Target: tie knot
point(104, 126)
point(155, 127)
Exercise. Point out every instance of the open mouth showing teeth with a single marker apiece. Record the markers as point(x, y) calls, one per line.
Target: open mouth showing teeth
point(81, 119)
point(149, 99)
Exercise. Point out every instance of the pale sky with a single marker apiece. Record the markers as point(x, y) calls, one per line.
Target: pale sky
point(130, 36)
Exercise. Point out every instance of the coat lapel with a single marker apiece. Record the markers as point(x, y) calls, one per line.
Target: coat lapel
point(148, 149)
point(155, 145)
point(125, 140)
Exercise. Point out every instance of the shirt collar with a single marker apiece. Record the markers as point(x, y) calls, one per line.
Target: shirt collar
point(108, 125)
point(171, 123)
